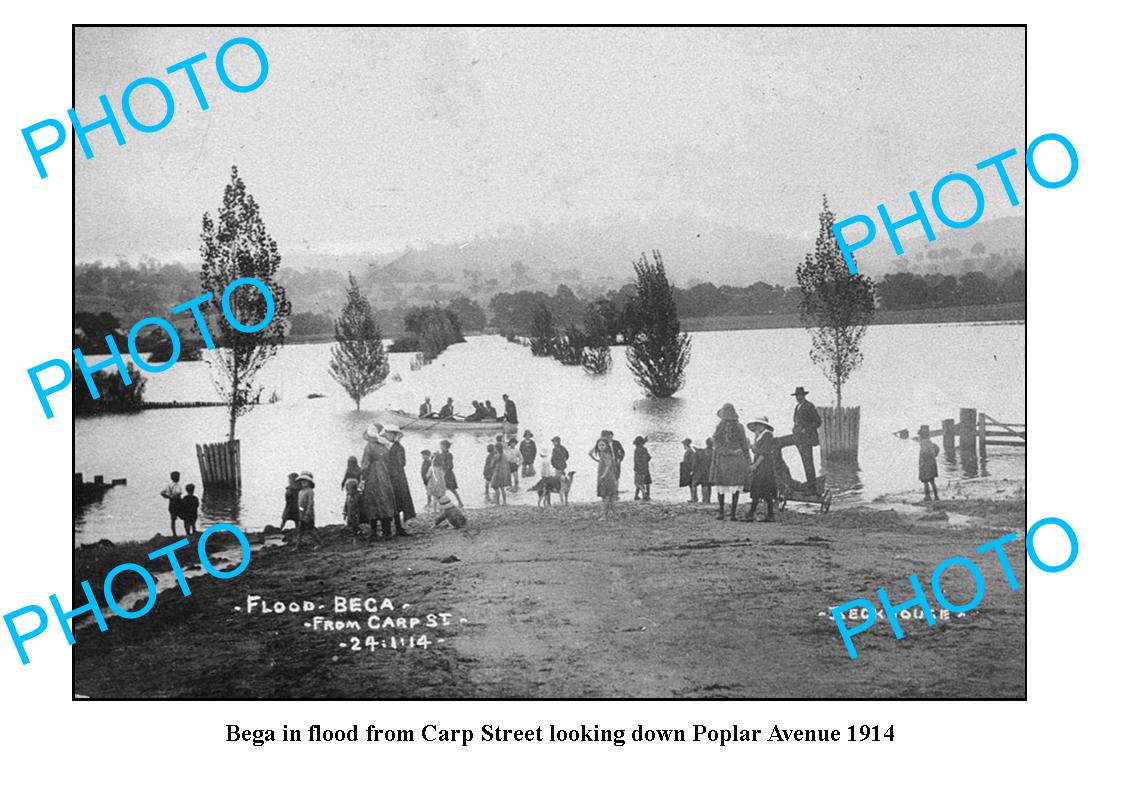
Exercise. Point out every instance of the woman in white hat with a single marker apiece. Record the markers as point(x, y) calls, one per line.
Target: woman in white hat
point(378, 492)
point(762, 479)
point(396, 464)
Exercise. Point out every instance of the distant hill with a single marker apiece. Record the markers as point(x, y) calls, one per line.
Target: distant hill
point(1003, 242)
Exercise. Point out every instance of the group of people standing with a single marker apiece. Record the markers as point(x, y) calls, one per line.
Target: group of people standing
point(732, 463)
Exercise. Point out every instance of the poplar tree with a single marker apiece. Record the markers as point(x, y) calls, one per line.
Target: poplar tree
point(836, 306)
point(235, 244)
point(358, 360)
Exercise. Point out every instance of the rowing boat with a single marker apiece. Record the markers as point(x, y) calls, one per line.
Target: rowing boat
point(405, 420)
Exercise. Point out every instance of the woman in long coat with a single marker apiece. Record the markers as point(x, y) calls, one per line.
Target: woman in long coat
point(378, 492)
point(762, 478)
point(729, 469)
point(403, 500)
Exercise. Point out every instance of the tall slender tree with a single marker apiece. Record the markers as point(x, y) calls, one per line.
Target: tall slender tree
point(658, 351)
point(358, 359)
point(836, 306)
point(542, 331)
point(235, 244)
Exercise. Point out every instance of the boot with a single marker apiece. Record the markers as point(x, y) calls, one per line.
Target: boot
point(733, 506)
point(721, 507)
point(752, 510)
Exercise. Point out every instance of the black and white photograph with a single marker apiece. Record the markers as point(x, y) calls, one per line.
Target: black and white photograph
point(527, 363)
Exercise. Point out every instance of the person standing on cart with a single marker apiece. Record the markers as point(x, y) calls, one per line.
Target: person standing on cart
point(805, 429)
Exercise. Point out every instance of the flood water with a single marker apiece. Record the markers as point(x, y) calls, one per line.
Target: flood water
point(911, 375)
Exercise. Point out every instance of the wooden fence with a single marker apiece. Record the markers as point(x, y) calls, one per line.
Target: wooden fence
point(838, 434)
point(220, 463)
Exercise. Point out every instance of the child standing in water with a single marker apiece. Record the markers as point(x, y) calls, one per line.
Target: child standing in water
point(489, 469)
point(641, 464)
point(426, 468)
point(929, 450)
point(189, 510)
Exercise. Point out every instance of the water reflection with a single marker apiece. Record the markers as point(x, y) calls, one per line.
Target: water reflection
point(223, 505)
point(843, 477)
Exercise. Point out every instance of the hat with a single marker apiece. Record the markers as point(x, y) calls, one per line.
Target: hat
point(924, 432)
point(390, 428)
point(727, 412)
point(687, 441)
point(799, 391)
point(306, 475)
point(639, 441)
point(351, 482)
point(372, 431)
point(760, 420)
point(528, 433)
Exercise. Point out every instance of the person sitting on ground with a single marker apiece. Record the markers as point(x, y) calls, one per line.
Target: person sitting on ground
point(426, 409)
point(189, 510)
point(446, 410)
point(450, 513)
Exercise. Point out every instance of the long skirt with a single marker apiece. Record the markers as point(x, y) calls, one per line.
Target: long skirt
point(501, 476)
point(378, 493)
point(437, 483)
point(403, 500)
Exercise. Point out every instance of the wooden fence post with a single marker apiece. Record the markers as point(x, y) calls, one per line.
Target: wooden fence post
point(968, 433)
point(838, 435)
point(949, 438)
point(982, 435)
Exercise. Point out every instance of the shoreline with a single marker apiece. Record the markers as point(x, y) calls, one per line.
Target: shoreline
point(665, 601)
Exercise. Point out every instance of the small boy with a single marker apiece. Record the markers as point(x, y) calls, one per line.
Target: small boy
point(489, 469)
point(291, 510)
point(426, 466)
point(641, 463)
point(173, 493)
point(450, 514)
point(189, 510)
point(929, 450)
point(306, 504)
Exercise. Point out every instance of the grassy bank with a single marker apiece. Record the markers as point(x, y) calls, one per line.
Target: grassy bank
point(664, 602)
point(973, 314)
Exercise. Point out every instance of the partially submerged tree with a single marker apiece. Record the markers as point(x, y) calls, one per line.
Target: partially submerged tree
point(542, 331)
point(358, 360)
point(235, 245)
point(836, 306)
point(602, 322)
point(658, 351)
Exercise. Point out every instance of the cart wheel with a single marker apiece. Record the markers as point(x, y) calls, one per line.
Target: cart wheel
point(825, 506)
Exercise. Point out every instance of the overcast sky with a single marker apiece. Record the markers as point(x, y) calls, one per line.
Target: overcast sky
point(368, 139)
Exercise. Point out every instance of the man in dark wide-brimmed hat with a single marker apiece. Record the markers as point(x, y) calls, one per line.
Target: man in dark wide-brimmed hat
point(805, 429)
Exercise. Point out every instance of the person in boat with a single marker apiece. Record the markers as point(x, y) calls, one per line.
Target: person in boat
point(426, 409)
point(490, 413)
point(510, 411)
point(477, 412)
point(446, 411)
